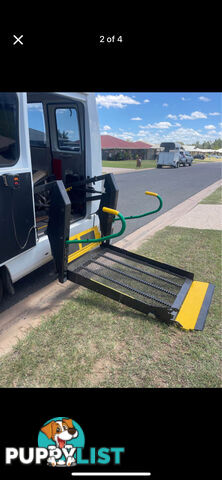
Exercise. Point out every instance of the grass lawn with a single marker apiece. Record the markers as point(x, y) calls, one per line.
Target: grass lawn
point(96, 342)
point(129, 164)
point(207, 159)
point(214, 198)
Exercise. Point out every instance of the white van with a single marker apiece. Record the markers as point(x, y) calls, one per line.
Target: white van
point(50, 160)
point(43, 137)
point(170, 155)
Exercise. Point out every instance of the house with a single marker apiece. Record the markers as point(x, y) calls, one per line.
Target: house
point(114, 148)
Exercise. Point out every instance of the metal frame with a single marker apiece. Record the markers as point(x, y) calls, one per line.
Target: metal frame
point(205, 307)
point(152, 263)
point(164, 309)
point(163, 313)
point(166, 313)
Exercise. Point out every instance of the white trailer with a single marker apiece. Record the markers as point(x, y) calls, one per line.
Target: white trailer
point(170, 156)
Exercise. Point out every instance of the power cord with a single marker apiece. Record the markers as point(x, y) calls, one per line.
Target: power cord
point(14, 226)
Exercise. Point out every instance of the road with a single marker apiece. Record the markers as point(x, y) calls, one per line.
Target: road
point(174, 186)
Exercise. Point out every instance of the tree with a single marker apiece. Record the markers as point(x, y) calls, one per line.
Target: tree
point(63, 134)
point(214, 145)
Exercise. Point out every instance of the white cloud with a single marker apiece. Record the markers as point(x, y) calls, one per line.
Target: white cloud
point(157, 125)
point(210, 127)
point(214, 114)
point(35, 106)
point(136, 118)
point(197, 114)
point(173, 117)
point(107, 127)
point(142, 133)
point(192, 116)
point(115, 101)
point(162, 125)
point(204, 99)
point(183, 116)
point(165, 104)
point(146, 100)
point(127, 136)
point(185, 99)
point(186, 135)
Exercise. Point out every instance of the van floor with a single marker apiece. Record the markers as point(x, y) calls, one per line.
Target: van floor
point(42, 222)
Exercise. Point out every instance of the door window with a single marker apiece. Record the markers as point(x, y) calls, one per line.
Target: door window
point(37, 131)
point(9, 140)
point(68, 134)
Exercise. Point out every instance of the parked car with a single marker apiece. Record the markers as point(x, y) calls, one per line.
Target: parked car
point(189, 158)
point(199, 155)
point(182, 158)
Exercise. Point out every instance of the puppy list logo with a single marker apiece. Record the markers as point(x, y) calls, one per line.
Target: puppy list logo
point(61, 437)
point(60, 443)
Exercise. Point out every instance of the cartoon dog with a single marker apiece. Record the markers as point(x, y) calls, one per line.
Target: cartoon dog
point(60, 432)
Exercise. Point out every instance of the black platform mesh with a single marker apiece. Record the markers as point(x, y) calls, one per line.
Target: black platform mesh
point(151, 285)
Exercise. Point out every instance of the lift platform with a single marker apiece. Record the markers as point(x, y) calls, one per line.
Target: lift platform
point(169, 293)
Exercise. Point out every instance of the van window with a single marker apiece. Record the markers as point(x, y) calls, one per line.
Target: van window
point(37, 131)
point(68, 135)
point(9, 138)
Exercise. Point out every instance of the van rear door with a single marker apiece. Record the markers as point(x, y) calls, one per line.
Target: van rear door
point(66, 126)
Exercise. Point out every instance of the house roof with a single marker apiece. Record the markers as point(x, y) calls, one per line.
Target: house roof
point(140, 144)
point(109, 142)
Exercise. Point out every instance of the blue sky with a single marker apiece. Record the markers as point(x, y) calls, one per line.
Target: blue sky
point(161, 116)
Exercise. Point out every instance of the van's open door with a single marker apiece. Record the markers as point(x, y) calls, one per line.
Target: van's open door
point(66, 122)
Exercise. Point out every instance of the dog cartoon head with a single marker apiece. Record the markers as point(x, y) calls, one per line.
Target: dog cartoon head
point(60, 431)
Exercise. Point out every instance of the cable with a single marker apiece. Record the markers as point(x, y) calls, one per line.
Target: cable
point(14, 227)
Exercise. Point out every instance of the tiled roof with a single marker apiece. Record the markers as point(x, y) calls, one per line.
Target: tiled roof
point(109, 142)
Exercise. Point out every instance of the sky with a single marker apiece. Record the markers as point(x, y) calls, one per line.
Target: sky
point(156, 117)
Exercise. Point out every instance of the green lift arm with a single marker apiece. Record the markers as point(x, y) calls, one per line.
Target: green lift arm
point(147, 213)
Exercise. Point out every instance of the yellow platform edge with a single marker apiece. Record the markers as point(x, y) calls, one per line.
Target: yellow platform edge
point(191, 307)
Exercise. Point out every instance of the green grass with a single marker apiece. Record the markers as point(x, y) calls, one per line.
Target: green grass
point(207, 159)
point(96, 342)
point(129, 164)
point(214, 198)
point(146, 163)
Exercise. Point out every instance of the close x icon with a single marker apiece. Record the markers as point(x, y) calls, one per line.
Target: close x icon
point(18, 39)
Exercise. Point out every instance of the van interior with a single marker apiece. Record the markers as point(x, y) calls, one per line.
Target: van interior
point(56, 134)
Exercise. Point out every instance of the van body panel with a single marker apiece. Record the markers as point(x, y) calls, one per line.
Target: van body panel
point(41, 254)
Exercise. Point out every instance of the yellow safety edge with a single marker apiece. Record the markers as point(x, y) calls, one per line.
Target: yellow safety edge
point(190, 309)
point(87, 247)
